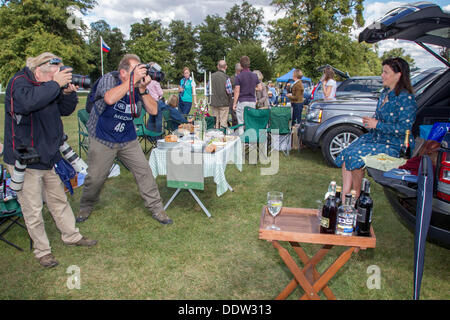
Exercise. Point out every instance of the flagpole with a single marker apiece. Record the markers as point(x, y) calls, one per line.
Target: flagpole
point(101, 52)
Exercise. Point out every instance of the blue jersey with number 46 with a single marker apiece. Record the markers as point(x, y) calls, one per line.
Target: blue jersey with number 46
point(115, 124)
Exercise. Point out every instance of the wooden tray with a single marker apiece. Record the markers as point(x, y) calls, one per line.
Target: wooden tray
point(302, 225)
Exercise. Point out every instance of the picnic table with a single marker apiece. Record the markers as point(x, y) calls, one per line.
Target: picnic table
point(298, 226)
point(214, 164)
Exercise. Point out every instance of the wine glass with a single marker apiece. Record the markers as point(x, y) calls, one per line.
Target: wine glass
point(274, 204)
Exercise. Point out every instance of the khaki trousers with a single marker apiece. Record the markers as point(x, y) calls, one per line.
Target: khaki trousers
point(100, 160)
point(240, 113)
point(221, 114)
point(37, 186)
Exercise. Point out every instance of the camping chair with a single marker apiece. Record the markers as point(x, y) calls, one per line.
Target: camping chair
point(280, 120)
point(83, 135)
point(169, 124)
point(143, 133)
point(10, 214)
point(210, 122)
point(255, 129)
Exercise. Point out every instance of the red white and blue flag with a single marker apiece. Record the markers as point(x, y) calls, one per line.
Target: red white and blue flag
point(105, 47)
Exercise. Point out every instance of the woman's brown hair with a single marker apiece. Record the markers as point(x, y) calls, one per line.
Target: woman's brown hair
point(329, 73)
point(400, 65)
point(173, 101)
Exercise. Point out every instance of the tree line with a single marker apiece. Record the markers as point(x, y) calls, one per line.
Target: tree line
point(309, 34)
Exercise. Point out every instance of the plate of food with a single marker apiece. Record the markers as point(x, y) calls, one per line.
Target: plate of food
point(169, 141)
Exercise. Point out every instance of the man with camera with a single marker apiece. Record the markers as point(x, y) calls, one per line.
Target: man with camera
point(112, 134)
point(36, 98)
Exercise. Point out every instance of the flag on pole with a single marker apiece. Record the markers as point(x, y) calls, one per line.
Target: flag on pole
point(105, 47)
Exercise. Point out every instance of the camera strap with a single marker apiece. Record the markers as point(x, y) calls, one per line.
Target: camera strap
point(19, 117)
point(131, 92)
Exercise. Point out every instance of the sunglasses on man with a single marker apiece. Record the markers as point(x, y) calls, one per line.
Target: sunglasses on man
point(53, 61)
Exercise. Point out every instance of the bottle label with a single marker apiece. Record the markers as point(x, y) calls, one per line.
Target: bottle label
point(324, 222)
point(363, 212)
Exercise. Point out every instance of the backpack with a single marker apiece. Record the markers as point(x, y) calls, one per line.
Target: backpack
point(91, 98)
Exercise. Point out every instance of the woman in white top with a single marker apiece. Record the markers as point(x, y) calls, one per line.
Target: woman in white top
point(329, 84)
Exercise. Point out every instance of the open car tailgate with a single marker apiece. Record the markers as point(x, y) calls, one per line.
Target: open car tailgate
point(403, 188)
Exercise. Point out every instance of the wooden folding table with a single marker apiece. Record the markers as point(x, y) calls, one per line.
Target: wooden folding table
point(297, 226)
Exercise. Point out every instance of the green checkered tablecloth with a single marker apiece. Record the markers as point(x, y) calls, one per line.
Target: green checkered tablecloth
point(214, 164)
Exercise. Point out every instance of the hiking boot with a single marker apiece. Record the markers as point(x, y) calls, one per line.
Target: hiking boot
point(162, 217)
point(83, 242)
point(83, 216)
point(48, 261)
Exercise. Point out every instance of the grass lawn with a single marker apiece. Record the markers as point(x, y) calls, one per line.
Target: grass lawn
point(216, 258)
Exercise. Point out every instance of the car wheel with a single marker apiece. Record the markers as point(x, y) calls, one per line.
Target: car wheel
point(336, 140)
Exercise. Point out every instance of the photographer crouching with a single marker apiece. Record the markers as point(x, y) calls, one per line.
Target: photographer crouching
point(118, 97)
point(36, 98)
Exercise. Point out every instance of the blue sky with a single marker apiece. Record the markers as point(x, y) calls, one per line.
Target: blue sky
point(123, 13)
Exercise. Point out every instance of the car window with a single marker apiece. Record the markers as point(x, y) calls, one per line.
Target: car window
point(354, 85)
point(376, 85)
point(418, 77)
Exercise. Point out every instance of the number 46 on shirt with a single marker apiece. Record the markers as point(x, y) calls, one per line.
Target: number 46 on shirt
point(119, 127)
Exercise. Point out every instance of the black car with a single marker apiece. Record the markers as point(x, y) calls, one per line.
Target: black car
point(421, 22)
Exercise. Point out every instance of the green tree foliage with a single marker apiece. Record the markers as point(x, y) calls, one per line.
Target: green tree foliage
point(244, 22)
point(149, 40)
point(30, 27)
point(183, 44)
point(317, 32)
point(399, 53)
point(114, 38)
point(213, 44)
point(259, 59)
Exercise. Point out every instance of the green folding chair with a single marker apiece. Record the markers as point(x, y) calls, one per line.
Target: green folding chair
point(210, 122)
point(255, 130)
point(83, 135)
point(170, 125)
point(280, 129)
point(10, 214)
point(148, 136)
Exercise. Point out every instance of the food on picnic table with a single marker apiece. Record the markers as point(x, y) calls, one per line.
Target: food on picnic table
point(229, 138)
point(186, 126)
point(171, 138)
point(210, 148)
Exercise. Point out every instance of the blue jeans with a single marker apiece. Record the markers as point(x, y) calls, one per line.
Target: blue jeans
point(297, 109)
point(184, 107)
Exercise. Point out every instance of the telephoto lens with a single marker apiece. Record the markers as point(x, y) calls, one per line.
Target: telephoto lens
point(77, 163)
point(78, 79)
point(18, 176)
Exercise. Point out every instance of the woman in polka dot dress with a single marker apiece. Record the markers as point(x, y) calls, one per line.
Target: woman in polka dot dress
point(395, 113)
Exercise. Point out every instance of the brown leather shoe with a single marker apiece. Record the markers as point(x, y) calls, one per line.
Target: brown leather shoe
point(48, 261)
point(83, 242)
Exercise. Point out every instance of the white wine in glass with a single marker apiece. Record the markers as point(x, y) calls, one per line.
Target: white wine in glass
point(274, 204)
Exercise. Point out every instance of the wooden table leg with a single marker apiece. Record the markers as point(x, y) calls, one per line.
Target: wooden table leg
point(311, 263)
point(298, 274)
point(331, 271)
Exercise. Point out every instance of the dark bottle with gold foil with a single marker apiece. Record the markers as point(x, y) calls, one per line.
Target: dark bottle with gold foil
point(405, 149)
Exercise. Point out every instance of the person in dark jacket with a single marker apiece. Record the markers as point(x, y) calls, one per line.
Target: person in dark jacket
point(35, 100)
point(154, 122)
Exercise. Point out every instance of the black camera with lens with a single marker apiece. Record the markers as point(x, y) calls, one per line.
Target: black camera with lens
point(24, 156)
point(154, 71)
point(77, 79)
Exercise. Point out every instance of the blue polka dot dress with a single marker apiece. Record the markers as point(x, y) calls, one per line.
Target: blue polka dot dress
point(394, 117)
